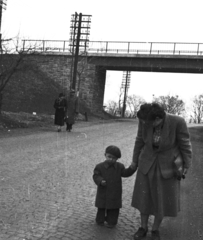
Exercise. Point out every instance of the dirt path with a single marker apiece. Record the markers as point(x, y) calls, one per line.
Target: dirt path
point(47, 191)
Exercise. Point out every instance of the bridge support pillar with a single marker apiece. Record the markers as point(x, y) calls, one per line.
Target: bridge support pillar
point(98, 89)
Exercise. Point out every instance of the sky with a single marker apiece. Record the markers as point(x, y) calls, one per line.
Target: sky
point(129, 20)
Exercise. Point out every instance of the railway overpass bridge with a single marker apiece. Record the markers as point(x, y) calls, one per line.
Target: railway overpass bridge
point(173, 57)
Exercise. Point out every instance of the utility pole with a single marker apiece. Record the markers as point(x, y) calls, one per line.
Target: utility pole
point(80, 25)
point(76, 52)
point(3, 5)
point(125, 85)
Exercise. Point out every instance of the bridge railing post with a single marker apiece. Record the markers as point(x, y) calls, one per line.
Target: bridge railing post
point(64, 46)
point(24, 45)
point(43, 44)
point(197, 48)
point(106, 47)
point(174, 49)
point(150, 48)
point(128, 47)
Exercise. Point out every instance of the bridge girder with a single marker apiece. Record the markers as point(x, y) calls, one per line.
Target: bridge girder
point(149, 63)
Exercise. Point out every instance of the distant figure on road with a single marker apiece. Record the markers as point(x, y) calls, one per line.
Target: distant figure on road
point(108, 177)
point(162, 138)
point(72, 110)
point(60, 106)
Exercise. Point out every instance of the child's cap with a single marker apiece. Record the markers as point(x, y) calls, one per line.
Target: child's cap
point(115, 151)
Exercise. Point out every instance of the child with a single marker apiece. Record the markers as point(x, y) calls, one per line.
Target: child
point(108, 177)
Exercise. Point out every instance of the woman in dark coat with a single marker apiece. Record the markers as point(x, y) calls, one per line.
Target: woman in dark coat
point(60, 106)
point(72, 110)
point(161, 138)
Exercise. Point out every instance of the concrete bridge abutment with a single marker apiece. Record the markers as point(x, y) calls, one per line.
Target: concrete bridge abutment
point(41, 77)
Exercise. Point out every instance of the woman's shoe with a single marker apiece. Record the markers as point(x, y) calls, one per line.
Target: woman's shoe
point(140, 234)
point(155, 235)
point(100, 223)
point(110, 225)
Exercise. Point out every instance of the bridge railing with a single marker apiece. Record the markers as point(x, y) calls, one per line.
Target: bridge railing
point(171, 48)
point(167, 48)
point(46, 45)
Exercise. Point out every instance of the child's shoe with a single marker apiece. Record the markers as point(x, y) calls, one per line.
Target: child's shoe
point(140, 234)
point(100, 223)
point(155, 235)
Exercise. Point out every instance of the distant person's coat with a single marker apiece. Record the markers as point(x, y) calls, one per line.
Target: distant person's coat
point(72, 109)
point(60, 106)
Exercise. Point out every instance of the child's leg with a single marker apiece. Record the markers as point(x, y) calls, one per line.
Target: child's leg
point(100, 217)
point(112, 216)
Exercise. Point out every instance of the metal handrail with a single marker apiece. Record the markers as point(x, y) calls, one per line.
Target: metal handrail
point(170, 48)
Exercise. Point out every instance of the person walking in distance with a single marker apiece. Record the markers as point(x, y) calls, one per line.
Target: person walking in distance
point(60, 106)
point(72, 110)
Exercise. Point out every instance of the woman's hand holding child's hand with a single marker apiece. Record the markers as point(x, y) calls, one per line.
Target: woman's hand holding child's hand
point(133, 166)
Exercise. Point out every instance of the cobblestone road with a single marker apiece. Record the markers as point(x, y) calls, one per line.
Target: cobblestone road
point(46, 186)
point(47, 191)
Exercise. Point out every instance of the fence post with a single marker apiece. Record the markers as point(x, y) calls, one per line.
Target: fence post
point(150, 47)
point(174, 49)
point(23, 45)
point(197, 48)
point(128, 46)
point(43, 43)
point(106, 47)
point(64, 44)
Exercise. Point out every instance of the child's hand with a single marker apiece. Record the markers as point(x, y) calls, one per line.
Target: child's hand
point(103, 183)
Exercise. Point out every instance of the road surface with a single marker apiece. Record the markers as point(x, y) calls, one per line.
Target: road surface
point(47, 191)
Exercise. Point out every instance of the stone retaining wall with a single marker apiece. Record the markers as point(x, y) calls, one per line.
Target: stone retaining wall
point(40, 78)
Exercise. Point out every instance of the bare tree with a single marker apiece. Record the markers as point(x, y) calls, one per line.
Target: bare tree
point(171, 104)
point(197, 108)
point(112, 107)
point(11, 57)
point(134, 102)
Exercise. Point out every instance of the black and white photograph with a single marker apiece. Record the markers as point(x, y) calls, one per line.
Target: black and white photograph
point(101, 120)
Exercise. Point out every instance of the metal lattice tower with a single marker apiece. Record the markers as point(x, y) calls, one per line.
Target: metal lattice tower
point(125, 85)
point(79, 39)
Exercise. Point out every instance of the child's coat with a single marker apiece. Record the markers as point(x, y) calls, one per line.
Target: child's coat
point(110, 196)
